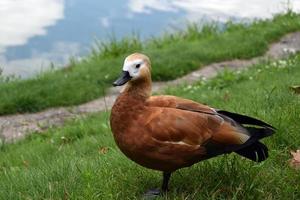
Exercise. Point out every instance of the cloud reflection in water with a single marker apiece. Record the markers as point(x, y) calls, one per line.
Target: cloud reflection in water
point(22, 19)
point(216, 9)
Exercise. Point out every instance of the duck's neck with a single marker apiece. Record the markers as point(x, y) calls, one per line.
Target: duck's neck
point(139, 89)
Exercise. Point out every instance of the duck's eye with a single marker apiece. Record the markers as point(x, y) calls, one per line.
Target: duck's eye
point(138, 66)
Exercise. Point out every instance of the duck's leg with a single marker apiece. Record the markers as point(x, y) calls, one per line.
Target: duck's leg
point(166, 178)
point(164, 188)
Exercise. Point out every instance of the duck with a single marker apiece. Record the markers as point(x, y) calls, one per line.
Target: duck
point(167, 133)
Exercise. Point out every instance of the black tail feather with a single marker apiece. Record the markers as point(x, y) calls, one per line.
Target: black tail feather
point(259, 133)
point(252, 149)
point(256, 152)
point(243, 119)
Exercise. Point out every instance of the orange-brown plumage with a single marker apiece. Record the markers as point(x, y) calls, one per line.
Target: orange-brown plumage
point(166, 132)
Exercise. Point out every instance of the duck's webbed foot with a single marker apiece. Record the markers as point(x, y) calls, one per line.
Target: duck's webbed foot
point(153, 193)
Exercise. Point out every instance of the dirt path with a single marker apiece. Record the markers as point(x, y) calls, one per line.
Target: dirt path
point(15, 127)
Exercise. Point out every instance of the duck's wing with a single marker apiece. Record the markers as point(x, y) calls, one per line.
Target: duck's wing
point(189, 105)
point(178, 103)
point(181, 127)
point(217, 131)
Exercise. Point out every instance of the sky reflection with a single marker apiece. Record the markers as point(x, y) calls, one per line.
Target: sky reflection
point(216, 9)
point(20, 21)
point(34, 33)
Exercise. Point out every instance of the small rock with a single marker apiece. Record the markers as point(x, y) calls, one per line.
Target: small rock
point(289, 50)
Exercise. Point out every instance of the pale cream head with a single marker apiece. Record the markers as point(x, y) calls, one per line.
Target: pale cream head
point(137, 65)
point(136, 71)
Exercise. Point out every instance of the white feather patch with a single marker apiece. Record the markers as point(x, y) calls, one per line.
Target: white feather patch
point(180, 143)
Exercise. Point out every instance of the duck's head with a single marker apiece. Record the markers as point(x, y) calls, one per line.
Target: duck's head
point(136, 68)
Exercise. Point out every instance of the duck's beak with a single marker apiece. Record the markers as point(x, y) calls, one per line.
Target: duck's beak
point(124, 78)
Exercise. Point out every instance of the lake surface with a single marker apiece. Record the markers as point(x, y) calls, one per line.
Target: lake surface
point(36, 33)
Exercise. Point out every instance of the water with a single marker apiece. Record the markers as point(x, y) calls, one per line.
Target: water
point(36, 33)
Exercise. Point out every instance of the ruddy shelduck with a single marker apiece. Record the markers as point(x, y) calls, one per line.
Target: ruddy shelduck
point(167, 133)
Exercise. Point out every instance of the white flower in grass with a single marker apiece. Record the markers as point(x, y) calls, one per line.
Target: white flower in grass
point(187, 88)
point(282, 64)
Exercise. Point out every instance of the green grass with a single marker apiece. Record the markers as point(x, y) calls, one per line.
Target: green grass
point(172, 54)
point(73, 162)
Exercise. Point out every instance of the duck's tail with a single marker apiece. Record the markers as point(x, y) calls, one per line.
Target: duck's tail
point(256, 152)
point(253, 149)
